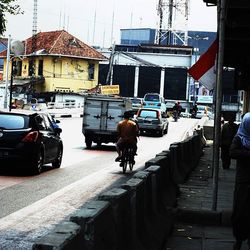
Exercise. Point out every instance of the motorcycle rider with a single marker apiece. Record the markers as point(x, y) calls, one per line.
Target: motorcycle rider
point(127, 131)
point(177, 109)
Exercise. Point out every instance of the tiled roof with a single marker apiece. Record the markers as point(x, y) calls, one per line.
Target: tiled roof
point(4, 41)
point(3, 54)
point(60, 43)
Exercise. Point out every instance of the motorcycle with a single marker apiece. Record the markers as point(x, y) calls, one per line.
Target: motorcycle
point(127, 158)
point(175, 115)
point(193, 114)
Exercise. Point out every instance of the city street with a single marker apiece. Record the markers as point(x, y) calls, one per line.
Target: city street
point(31, 205)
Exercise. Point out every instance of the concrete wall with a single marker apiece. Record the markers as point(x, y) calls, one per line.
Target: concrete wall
point(138, 215)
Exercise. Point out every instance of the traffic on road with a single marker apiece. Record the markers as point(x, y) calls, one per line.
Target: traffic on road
point(32, 204)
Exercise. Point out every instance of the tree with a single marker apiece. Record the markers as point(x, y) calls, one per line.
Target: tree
point(8, 6)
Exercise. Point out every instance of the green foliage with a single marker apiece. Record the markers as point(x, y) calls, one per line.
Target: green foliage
point(7, 6)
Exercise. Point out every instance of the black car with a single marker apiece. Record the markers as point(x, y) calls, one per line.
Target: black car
point(30, 139)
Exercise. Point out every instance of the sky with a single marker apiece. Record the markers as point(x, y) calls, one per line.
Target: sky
point(98, 22)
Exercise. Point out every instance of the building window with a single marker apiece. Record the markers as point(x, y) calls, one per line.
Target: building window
point(17, 68)
point(31, 67)
point(40, 68)
point(91, 71)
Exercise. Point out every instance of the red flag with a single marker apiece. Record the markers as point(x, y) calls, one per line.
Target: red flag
point(204, 69)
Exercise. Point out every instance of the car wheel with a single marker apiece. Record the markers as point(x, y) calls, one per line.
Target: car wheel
point(58, 161)
point(38, 163)
point(88, 142)
point(160, 133)
point(166, 130)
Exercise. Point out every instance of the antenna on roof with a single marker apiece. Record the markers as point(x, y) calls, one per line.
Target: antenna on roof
point(34, 29)
point(33, 43)
point(60, 19)
point(112, 28)
point(67, 29)
point(93, 41)
point(64, 21)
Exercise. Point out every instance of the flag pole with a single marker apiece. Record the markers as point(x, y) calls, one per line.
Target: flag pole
point(218, 101)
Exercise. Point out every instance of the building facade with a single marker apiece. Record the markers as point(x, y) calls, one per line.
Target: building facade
point(3, 46)
point(143, 68)
point(54, 62)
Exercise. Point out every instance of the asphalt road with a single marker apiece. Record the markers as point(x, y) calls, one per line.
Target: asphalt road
point(32, 205)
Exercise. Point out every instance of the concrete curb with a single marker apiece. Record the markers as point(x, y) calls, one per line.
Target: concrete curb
point(135, 216)
point(63, 236)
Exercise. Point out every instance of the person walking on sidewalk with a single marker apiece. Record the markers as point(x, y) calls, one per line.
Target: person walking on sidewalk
point(228, 132)
point(240, 150)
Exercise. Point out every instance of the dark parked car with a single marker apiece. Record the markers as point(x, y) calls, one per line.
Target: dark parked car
point(153, 121)
point(30, 139)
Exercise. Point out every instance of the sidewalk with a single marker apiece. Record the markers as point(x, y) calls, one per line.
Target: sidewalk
point(197, 226)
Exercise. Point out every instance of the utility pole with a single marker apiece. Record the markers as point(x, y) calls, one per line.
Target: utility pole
point(221, 8)
point(109, 79)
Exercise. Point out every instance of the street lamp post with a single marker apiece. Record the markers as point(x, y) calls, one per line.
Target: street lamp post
point(11, 84)
point(15, 49)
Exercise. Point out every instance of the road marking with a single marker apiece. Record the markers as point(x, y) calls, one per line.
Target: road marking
point(63, 202)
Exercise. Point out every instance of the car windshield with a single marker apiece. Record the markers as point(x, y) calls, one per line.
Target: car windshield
point(12, 121)
point(148, 113)
point(201, 108)
point(152, 98)
point(136, 101)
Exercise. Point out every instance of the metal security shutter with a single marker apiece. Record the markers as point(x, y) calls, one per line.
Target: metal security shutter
point(175, 83)
point(124, 76)
point(149, 80)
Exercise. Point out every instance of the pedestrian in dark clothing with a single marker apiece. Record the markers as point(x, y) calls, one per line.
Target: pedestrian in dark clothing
point(240, 150)
point(194, 111)
point(179, 109)
point(228, 132)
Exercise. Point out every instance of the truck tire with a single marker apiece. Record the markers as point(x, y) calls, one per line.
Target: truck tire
point(88, 142)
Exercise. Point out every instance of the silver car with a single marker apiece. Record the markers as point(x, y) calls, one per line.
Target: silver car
point(152, 121)
point(136, 103)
